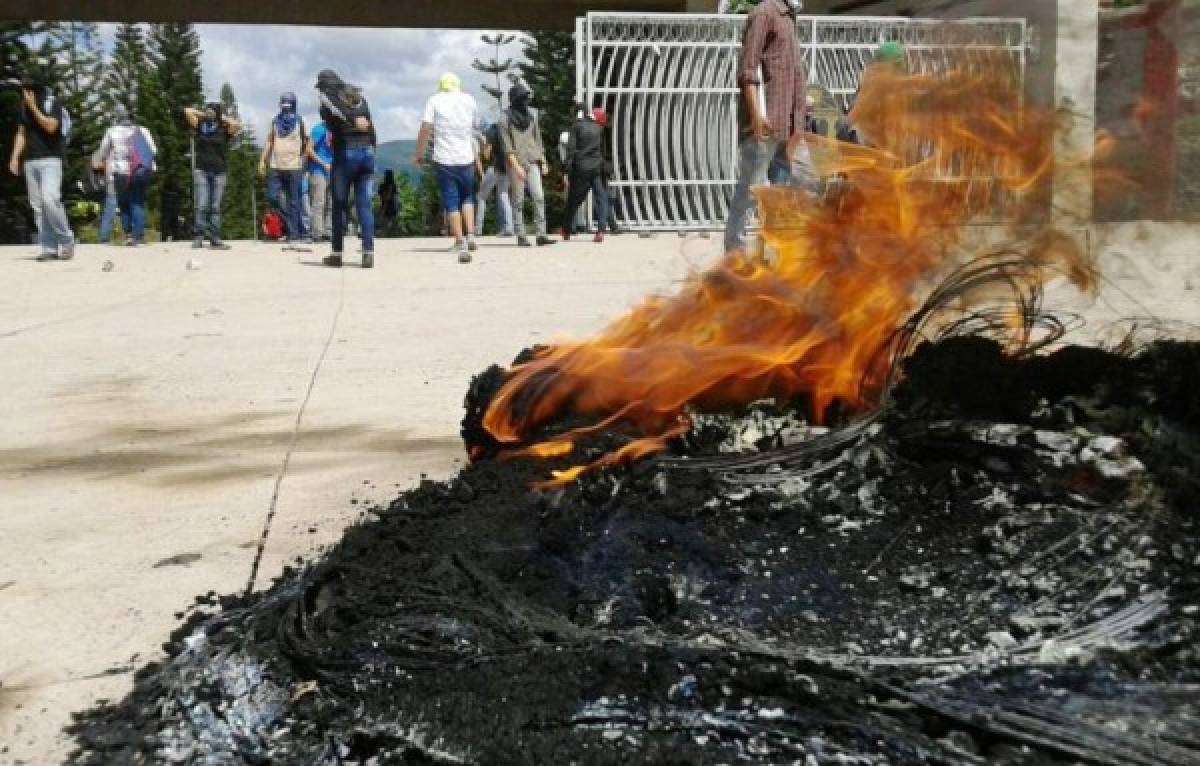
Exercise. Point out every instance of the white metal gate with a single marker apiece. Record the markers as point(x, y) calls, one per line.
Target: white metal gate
point(668, 83)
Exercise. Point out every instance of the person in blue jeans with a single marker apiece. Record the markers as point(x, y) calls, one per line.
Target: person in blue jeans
point(213, 131)
point(131, 172)
point(40, 146)
point(347, 116)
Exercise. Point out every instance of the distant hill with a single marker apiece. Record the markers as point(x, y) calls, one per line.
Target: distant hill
point(396, 155)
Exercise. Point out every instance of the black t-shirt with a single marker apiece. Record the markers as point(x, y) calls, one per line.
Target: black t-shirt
point(39, 144)
point(212, 145)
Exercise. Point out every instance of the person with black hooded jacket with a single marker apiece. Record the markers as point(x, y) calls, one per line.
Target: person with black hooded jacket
point(348, 119)
point(586, 168)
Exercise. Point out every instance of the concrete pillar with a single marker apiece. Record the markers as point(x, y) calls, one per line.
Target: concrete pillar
point(1076, 59)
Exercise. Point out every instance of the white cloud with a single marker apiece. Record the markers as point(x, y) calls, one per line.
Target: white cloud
point(397, 68)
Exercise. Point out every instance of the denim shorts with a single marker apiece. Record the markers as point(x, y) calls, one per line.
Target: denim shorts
point(457, 186)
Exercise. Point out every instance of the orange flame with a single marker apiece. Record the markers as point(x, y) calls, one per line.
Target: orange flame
point(810, 314)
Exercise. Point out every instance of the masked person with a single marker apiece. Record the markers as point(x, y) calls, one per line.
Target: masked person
point(347, 116)
point(41, 144)
point(282, 162)
point(449, 119)
point(771, 77)
point(526, 158)
point(212, 131)
point(585, 166)
point(128, 151)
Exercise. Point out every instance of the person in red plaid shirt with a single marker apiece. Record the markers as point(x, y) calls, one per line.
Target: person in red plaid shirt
point(772, 80)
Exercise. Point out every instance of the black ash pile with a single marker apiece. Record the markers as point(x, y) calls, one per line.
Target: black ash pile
point(1002, 567)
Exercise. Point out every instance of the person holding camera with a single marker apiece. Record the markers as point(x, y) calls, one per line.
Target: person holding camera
point(213, 131)
point(40, 144)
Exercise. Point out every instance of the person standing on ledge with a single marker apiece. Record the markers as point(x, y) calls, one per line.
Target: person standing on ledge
point(40, 143)
point(771, 77)
point(212, 133)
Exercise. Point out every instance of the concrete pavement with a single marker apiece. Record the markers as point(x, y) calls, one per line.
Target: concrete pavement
point(149, 410)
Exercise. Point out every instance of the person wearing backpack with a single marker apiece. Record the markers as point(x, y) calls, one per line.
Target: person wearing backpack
point(43, 129)
point(284, 155)
point(347, 116)
point(128, 150)
point(213, 131)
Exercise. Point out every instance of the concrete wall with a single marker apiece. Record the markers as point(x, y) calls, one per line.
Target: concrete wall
point(462, 14)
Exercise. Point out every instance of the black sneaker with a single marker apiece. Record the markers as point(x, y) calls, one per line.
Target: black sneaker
point(334, 260)
point(368, 261)
point(542, 241)
point(219, 245)
point(44, 257)
point(524, 242)
point(471, 245)
point(198, 243)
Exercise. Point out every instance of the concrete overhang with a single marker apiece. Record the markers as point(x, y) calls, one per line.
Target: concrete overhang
point(448, 14)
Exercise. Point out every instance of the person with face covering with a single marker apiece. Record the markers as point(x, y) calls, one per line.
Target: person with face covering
point(121, 151)
point(41, 146)
point(771, 76)
point(212, 131)
point(347, 116)
point(526, 158)
point(284, 156)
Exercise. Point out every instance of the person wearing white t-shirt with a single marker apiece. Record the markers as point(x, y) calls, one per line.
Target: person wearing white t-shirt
point(450, 116)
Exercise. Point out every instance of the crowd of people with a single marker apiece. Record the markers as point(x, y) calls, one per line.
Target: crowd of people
point(313, 172)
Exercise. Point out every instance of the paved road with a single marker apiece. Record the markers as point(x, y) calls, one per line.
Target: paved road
point(148, 410)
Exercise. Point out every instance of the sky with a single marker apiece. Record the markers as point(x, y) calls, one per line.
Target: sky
point(398, 69)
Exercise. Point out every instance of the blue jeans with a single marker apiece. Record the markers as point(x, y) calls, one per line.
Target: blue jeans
point(109, 214)
point(354, 169)
point(131, 196)
point(290, 183)
point(498, 182)
point(207, 190)
point(761, 160)
point(43, 184)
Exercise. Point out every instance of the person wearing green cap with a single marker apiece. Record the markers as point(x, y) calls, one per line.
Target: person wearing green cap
point(891, 58)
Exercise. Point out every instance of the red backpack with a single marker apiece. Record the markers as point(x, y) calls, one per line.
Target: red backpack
point(272, 225)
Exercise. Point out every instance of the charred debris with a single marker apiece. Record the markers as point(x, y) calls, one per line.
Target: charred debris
point(1001, 566)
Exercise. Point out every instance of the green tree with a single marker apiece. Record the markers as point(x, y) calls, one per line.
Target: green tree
point(549, 70)
point(79, 84)
point(126, 68)
point(244, 191)
point(497, 67)
point(175, 49)
point(16, 220)
point(740, 6)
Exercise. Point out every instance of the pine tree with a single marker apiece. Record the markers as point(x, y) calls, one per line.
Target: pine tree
point(496, 67)
point(127, 67)
point(244, 191)
point(175, 48)
point(549, 70)
point(79, 86)
point(16, 219)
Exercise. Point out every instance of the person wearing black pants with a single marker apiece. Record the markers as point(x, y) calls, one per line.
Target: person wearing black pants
point(584, 171)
